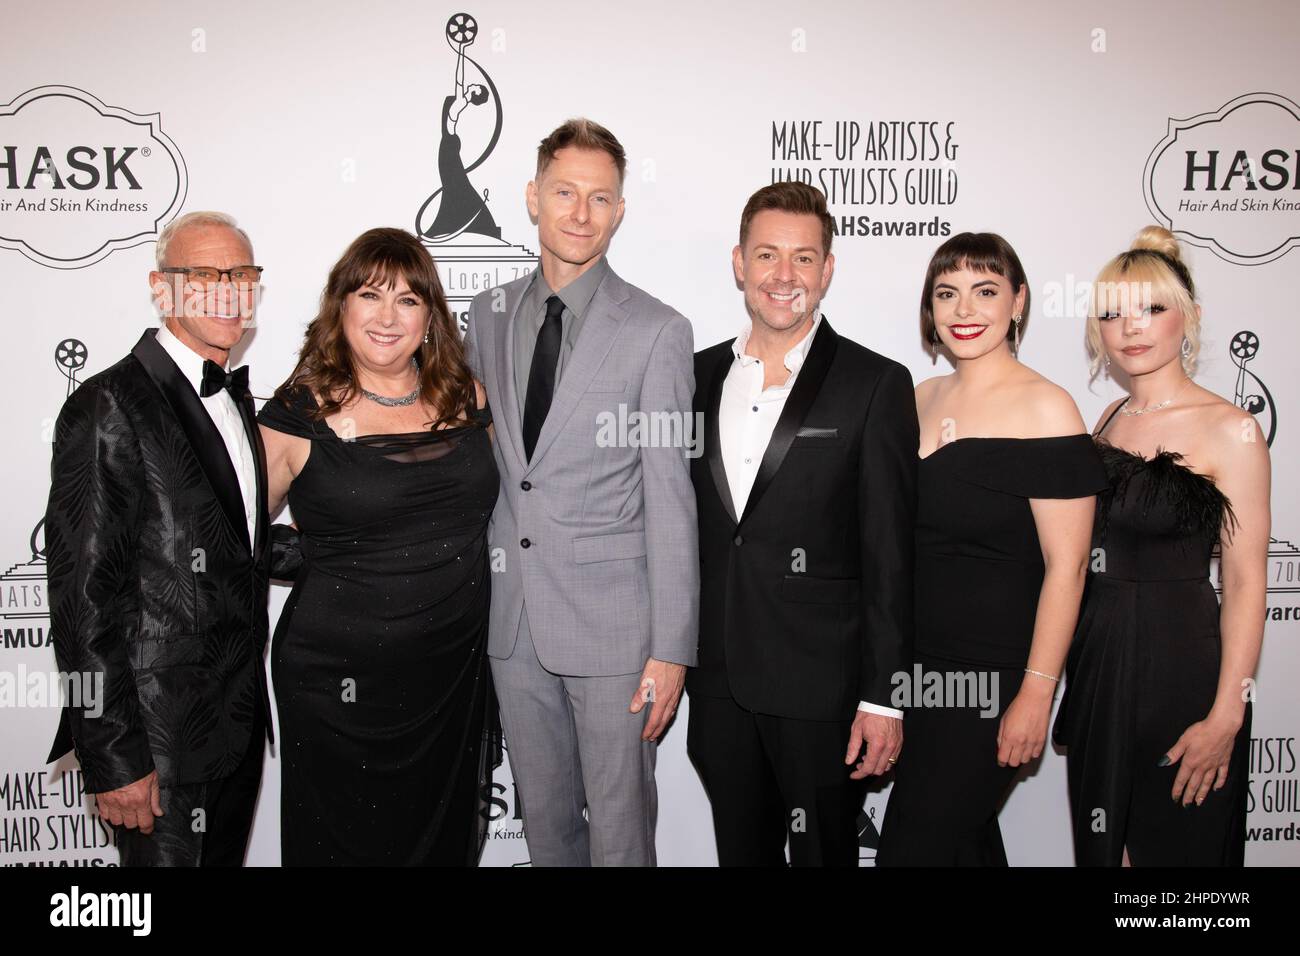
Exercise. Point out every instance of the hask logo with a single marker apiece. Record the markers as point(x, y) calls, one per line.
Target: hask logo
point(456, 221)
point(1229, 180)
point(80, 179)
point(502, 809)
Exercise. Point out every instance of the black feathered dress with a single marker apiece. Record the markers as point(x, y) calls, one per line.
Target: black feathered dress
point(1143, 667)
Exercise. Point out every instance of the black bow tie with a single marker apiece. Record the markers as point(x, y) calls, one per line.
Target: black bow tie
point(215, 378)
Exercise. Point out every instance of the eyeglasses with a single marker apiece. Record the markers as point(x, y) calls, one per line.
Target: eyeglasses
point(211, 275)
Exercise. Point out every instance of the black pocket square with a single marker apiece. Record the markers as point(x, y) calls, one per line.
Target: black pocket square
point(808, 431)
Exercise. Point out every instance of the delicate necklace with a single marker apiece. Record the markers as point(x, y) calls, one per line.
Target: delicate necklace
point(408, 399)
point(1124, 410)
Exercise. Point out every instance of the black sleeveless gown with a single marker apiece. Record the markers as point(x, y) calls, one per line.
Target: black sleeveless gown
point(1144, 666)
point(387, 717)
point(979, 569)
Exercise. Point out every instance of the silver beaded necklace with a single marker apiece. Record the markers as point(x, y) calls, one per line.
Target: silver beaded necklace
point(401, 400)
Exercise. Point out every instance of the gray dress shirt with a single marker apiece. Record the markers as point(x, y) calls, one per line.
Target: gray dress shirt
point(576, 296)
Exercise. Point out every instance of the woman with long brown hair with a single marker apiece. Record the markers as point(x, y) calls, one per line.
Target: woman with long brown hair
point(379, 439)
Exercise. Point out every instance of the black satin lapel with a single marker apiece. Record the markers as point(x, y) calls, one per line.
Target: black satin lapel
point(806, 386)
point(205, 440)
point(713, 436)
point(248, 414)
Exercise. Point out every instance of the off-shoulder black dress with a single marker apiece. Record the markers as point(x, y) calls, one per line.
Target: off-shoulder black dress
point(979, 570)
point(387, 716)
point(1144, 666)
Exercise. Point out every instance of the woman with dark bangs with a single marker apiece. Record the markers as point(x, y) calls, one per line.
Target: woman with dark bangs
point(1156, 715)
point(1005, 497)
point(379, 439)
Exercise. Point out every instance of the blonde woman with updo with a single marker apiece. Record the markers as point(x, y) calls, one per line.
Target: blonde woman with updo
point(1156, 712)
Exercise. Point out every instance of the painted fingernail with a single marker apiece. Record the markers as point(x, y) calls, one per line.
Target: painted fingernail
point(1164, 761)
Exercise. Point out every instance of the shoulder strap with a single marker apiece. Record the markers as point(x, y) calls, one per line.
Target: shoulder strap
point(1109, 418)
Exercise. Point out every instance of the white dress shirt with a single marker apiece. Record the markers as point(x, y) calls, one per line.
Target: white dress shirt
point(746, 419)
point(221, 407)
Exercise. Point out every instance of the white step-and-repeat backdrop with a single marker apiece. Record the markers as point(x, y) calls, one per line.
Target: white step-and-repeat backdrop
point(1064, 126)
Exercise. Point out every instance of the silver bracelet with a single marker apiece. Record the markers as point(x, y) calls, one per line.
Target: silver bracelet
point(1055, 680)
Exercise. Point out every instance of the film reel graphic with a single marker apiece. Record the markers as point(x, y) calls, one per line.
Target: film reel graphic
point(461, 30)
point(70, 358)
point(1245, 346)
point(1250, 392)
point(434, 223)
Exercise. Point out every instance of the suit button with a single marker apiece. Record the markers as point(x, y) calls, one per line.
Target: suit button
point(738, 540)
point(525, 543)
point(526, 485)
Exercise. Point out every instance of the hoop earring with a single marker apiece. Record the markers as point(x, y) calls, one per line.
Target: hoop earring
point(1015, 346)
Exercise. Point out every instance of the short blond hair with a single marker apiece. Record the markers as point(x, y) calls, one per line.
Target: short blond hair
point(581, 133)
point(199, 218)
point(1155, 258)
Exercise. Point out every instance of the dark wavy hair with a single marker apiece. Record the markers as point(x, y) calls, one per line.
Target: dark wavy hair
point(979, 252)
point(380, 257)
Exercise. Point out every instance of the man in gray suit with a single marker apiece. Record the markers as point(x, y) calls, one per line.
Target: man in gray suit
point(594, 614)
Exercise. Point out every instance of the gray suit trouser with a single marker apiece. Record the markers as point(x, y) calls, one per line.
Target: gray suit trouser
point(574, 745)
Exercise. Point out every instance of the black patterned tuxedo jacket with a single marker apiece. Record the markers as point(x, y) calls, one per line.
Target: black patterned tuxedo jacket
point(153, 580)
point(806, 596)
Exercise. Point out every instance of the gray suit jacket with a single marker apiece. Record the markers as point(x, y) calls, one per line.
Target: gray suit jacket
point(610, 570)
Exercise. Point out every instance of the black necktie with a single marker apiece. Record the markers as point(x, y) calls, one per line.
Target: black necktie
point(541, 375)
point(215, 378)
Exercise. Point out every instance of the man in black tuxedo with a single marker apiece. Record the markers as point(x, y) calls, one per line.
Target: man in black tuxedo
point(806, 496)
point(156, 541)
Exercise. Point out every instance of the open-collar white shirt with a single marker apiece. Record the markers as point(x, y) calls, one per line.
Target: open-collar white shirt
point(747, 417)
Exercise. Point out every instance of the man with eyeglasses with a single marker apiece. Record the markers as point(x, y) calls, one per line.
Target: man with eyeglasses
point(157, 549)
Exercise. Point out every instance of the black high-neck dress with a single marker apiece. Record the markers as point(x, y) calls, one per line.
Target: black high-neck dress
point(979, 570)
point(379, 660)
point(1144, 666)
